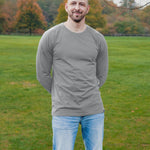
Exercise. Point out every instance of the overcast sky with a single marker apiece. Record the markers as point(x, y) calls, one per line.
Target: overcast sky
point(140, 2)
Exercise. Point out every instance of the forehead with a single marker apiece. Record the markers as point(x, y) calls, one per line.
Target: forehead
point(85, 1)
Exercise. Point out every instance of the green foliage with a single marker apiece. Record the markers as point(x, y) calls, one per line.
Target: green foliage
point(95, 18)
point(49, 8)
point(25, 107)
point(1, 2)
point(101, 16)
point(145, 15)
point(29, 20)
point(107, 9)
point(62, 14)
point(129, 27)
point(29, 16)
point(2, 19)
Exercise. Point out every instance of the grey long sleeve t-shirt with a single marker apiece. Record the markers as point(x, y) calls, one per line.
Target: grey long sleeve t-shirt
point(79, 64)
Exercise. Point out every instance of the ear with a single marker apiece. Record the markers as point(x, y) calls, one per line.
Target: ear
point(88, 9)
point(66, 7)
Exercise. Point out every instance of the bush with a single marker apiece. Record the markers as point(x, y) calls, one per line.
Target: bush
point(129, 27)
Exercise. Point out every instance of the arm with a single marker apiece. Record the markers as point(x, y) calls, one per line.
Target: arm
point(44, 60)
point(102, 62)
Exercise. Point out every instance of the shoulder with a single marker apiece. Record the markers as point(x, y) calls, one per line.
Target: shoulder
point(49, 37)
point(97, 36)
point(54, 30)
point(51, 34)
point(94, 32)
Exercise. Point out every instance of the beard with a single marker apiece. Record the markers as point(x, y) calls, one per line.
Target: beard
point(77, 17)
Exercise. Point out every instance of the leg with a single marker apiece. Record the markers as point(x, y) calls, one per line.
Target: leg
point(64, 132)
point(93, 131)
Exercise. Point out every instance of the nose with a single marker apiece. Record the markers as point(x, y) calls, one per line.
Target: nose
point(77, 7)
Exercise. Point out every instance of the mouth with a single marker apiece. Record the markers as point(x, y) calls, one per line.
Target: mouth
point(77, 13)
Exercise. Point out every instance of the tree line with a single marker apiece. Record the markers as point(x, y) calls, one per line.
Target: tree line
point(36, 16)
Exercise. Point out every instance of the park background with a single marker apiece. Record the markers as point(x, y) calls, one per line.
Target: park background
point(36, 16)
point(25, 107)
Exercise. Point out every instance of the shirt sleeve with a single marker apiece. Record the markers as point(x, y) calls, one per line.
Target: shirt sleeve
point(44, 60)
point(102, 62)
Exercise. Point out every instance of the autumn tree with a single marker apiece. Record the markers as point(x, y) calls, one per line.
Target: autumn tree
point(129, 26)
point(94, 18)
point(29, 16)
point(108, 9)
point(8, 12)
point(145, 18)
point(62, 14)
point(49, 8)
point(1, 16)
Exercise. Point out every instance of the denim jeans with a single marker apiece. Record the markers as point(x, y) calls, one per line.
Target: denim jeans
point(65, 130)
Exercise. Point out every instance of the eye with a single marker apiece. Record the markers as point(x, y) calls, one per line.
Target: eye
point(82, 4)
point(73, 3)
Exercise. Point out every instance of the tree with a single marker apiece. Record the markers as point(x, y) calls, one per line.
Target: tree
point(108, 9)
point(94, 18)
point(128, 3)
point(62, 14)
point(145, 15)
point(49, 8)
point(145, 19)
point(29, 16)
point(1, 16)
point(8, 11)
point(129, 26)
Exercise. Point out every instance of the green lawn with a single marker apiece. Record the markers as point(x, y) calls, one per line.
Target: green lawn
point(25, 107)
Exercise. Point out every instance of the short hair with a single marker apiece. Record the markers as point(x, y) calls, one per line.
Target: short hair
point(67, 1)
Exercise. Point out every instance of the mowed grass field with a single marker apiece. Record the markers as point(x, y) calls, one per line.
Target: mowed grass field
point(25, 106)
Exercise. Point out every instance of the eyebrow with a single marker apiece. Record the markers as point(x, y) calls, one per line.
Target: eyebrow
point(79, 2)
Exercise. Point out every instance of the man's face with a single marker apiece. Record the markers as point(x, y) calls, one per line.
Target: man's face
point(77, 9)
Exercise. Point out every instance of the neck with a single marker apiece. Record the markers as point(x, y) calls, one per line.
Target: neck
point(75, 27)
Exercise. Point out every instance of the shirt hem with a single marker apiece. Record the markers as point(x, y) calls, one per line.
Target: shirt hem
point(77, 114)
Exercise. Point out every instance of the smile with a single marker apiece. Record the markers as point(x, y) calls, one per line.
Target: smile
point(77, 12)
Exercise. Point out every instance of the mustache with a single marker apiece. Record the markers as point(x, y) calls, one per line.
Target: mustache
point(77, 12)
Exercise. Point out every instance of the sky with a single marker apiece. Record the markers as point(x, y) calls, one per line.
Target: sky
point(140, 2)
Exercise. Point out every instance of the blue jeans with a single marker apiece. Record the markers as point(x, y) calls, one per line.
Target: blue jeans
point(65, 130)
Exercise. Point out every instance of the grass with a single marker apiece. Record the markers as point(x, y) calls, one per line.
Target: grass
point(25, 107)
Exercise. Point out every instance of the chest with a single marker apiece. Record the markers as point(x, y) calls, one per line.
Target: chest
point(76, 48)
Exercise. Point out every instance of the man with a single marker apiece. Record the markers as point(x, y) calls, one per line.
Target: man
point(77, 55)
